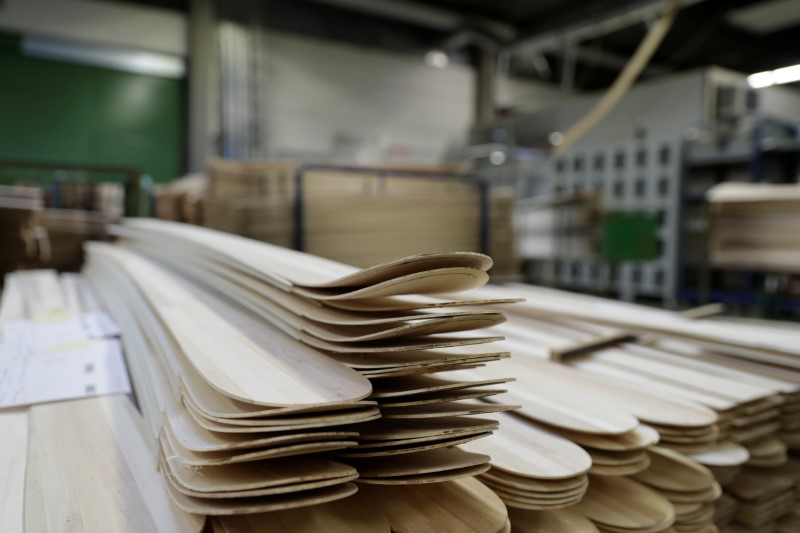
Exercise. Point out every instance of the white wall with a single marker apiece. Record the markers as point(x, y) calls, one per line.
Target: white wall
point(528, 96)
point(120, 24)
point(331, 97)
point(779, 102)
point(663, 107)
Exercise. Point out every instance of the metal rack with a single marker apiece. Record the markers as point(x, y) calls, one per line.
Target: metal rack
point(50, 176)
point(755, 149)
point(639, 176)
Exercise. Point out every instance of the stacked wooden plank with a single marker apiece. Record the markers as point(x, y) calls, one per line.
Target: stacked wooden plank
point(744, 371)
point(688, 485)
point(233, 428)
point(35, 237)
point(107, 473)
point(620, 504)
point(533, 468)
point(563, 409)
point(84, 463)
point(19, 211)
point(360, 219)
point(763, 497)
point(182, 200)
point(92, 444)
point(559, 226)
point(745, 341)
point(66, 231)
point(748, 413)
point(755, 226)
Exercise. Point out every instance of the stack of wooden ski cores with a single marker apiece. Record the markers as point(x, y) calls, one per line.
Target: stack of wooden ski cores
point(250, 361)
point(754, 226)
point(720, 392)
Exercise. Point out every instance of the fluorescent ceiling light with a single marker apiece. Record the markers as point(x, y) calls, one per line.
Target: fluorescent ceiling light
point(787, 74)
point(98, 55)
point(774, 77)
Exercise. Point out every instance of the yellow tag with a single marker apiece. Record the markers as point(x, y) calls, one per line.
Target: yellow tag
point(53, 316)
point(69, 346)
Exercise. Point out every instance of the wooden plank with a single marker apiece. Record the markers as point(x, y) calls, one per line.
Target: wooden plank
point(625, 504)
point(427, 478)
point(445, 410)
point(513, 481)
point(196, 438)
point(637, 439)
point(244, 375)
point(428, 462)
point(621, 470)
point(13, 462)
point(673, 471)
point(500, 488)
point(102, 436)
point(550, 521)
point(555, 406)
point(423, 428)
point(528, 451)
point(261, 504)
point(464, 505)
point(306, 273)
point(401, 447)
point(192, 458)
point(402, 387)
point(439, 397)
point(353, 514)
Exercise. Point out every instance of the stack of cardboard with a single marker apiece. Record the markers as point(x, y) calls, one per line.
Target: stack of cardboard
point(66, 230)
point(182, 199)
point(358, 218)
point(559, 226)
point(19, 210)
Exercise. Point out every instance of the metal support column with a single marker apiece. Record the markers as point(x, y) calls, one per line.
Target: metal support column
point(485, 84)
point(202, 83)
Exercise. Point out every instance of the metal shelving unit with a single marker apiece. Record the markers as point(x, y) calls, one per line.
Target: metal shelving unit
point(641, 176)
point(755, 150)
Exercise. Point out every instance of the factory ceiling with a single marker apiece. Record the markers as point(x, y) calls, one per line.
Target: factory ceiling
point(573, 43)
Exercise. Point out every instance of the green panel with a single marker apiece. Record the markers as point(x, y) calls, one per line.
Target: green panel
point(52, 111)
point(629, 237)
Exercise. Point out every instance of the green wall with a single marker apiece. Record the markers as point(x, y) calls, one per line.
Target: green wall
point(52, 111)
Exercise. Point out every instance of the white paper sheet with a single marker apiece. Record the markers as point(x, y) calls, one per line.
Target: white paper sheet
point(68, 359)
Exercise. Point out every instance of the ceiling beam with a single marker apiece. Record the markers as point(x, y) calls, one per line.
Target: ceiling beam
point(612, 60)
point(425, 16)
point(593, 27)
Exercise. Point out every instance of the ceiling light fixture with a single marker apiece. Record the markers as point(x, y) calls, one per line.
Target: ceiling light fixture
point(779, 76)
point(437, 58)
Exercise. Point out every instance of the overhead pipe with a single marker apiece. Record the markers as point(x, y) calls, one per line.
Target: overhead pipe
point(625, 79)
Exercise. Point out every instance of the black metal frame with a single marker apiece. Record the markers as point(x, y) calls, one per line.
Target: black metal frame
point(130, 176)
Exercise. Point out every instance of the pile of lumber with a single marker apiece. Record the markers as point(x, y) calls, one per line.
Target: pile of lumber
point(357, 218)
point(720, 393)
point(255, 429)
point(19, 210)
point(66, 231)
point(329, 374)
point(559, 226)
point(755, 225)
point(572, 424)
point(35, 237)
point(362, 400)
point(181, 200)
